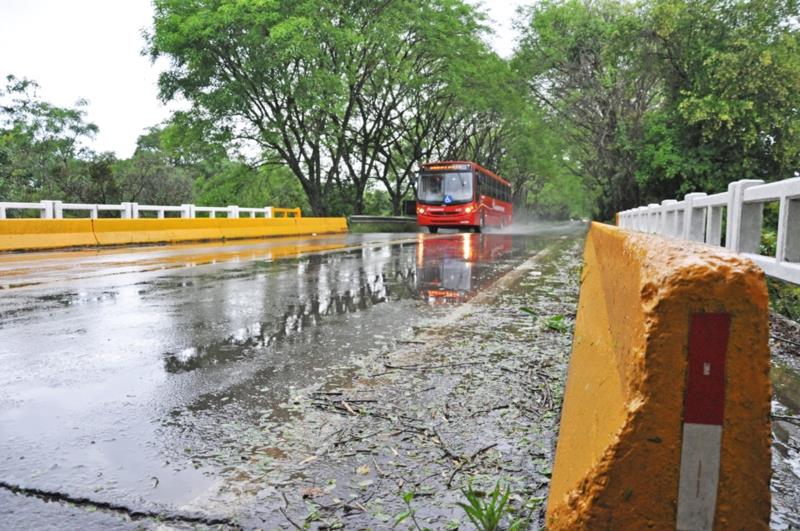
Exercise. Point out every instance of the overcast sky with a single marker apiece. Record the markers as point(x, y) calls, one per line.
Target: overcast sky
point(92, 49)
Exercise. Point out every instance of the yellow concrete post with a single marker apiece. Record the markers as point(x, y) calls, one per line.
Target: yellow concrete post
point(665, 422)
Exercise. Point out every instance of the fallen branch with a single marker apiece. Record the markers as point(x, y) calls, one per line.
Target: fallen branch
point(289, 519)
point(787, 418)
point(429, 367)
point(784, 340)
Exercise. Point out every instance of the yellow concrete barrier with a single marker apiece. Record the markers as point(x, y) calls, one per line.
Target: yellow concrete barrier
point(321, 225)
point(134, 231)
point(234, 229)
point(25, 234)
point(665, 422)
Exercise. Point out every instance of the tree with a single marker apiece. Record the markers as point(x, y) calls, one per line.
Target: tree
point(731, 109)
point(591, 64)
point(43, 150)
point(316, 85)
point(671, 96)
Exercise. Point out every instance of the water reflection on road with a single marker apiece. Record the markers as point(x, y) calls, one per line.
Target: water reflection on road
point(136, 378)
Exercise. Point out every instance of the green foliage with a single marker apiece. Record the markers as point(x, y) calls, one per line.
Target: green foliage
point(410, 512)
point(487, 512)
point(43, 150)
point(557, 323)
point(332, 105)
point(344, 94)
point(730, 108)
point(667, 97)
point(784, 298)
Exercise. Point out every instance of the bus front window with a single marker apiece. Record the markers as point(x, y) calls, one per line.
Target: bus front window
point(437, 187)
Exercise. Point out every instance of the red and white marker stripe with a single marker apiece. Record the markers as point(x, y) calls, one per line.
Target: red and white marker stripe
point(704, 406)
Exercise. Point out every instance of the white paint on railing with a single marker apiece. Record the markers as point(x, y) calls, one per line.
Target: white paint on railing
point(699, 217)
point(130, 210)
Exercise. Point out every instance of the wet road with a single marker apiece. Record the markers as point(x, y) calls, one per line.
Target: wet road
point(140, 377)
point(162, 380)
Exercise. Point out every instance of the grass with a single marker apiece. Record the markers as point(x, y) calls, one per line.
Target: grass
point(784, 298)
point(486, 512)
point(557, 323)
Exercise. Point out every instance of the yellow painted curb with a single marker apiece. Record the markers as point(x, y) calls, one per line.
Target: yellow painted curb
point(625, 414)
point(24, 234)
point(131, 231)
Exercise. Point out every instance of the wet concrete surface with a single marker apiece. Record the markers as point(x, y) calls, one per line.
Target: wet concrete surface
point(785, 484)
point(145, 377)
point(296, 383)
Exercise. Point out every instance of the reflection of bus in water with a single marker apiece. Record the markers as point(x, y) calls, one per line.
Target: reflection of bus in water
point(447, 267)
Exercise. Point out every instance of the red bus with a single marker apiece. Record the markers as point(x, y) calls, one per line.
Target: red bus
point(462, 195)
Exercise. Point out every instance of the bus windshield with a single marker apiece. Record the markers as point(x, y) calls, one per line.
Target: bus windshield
point(445, 187)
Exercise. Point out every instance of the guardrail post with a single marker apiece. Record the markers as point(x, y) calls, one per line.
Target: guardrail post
point(233, 211)
point(666, 224)
point(641, 223)
point(47, 209)
point(2, 212)
point(694, 219)
point(94, 213)
point(743, 232)
point(268, 212)
point(130, 210)
point(714, 226)
point(653, 215)
point(187, 211)
point(788, 248)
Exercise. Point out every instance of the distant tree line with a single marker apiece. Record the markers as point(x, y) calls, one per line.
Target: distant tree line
point(333, 104)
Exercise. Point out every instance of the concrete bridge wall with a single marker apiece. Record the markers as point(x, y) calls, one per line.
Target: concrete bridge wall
point(665, 421)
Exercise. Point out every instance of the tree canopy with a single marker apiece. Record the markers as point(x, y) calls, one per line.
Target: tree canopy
point(333, 105)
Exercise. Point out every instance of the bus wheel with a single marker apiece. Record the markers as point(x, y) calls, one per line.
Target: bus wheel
point(433, 230)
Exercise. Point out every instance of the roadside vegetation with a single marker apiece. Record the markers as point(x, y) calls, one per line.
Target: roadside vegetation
point(332, 106)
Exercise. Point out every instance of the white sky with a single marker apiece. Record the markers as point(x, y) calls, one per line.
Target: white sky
point(91, 49)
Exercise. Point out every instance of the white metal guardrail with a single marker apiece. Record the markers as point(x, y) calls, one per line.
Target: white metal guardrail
point(56, 209)
point(699, 217)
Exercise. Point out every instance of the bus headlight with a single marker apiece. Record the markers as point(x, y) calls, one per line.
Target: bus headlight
point(469, 209)
point(421, 210)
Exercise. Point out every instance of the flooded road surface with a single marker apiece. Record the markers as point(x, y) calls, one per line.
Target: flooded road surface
point(142, 378)
point(291, 383)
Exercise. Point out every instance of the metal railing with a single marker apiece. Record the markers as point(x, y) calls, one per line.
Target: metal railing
point(56, 209)
point(699, 217)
